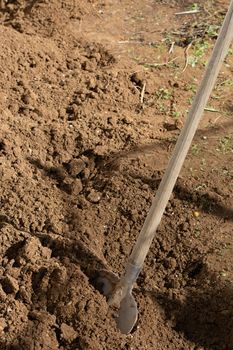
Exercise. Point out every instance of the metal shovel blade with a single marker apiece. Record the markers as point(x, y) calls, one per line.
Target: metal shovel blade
point(128, 314)
point(128, 311)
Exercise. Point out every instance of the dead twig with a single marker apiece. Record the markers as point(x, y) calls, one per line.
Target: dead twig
point(171, 47)
point(191, 12)
point(186, 56)
point(143, 92)
point(154, 65)
point(211, 109)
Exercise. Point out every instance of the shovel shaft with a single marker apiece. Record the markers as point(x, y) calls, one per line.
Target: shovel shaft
point(184, 141)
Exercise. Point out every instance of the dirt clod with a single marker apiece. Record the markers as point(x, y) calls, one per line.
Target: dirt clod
point(9, 284)
point(68, 333)
point(94, 196)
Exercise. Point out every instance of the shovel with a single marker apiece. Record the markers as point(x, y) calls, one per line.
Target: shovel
point(119, 292)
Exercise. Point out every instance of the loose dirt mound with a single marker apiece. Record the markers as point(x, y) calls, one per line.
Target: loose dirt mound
point(82, 151)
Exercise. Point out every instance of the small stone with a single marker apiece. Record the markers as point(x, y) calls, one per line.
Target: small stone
point(68, 332)
point(76, 166)
point(127, 227)
point(91, 83)
point(172, 263)
point(9, 284)
point(86, 173)
point(25, 294)
point(76, 187)
point(94, 196)
point(145, 187)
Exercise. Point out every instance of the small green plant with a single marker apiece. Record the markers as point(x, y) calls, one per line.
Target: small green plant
point(197, 232)
point(230, 52)
point(200, 47)
point(190, 100)
point(163, 94)
point(212, 31)
point(194, 7)
point(191, 87)
point(163, 108)
point(226, 145)
point(195, 149)
point(203, 164)
point(198, 52)
point(176, 114)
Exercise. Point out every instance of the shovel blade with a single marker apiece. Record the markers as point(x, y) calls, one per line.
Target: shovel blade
point(128, 314)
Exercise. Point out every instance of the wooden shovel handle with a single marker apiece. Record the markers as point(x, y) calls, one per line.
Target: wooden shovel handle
point(184, 141)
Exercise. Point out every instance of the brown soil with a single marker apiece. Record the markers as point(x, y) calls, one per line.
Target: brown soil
point(82, 152)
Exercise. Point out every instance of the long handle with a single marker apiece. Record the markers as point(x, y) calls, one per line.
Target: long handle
point(167, 184)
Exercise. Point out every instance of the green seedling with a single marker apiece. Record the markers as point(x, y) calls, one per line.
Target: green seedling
point(194, 7)
point(190, 100)
point(230, 52)
point(163, 94)
point(195, 149)
point(213, 30)
point(162, 108)
point(197, 232)
point(176, 114)
point(191, 87)
point(198, 52)
point(226, 145)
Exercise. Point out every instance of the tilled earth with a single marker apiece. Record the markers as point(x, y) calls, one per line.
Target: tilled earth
point(91, 105)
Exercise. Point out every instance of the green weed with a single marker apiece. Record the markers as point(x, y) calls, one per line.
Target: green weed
point(226, 145)
point(163, 94)
point(176, 114)
point(194, 7)
point(212, 31)
point(195, 149)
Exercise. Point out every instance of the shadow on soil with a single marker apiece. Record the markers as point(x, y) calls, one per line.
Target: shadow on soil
point(206, 201)
point(205, 317)
point(71, 253)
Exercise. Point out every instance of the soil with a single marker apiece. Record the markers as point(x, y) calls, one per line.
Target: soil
point(93, 95)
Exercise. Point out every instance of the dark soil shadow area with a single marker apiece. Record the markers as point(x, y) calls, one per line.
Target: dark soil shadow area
point(205, 317)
